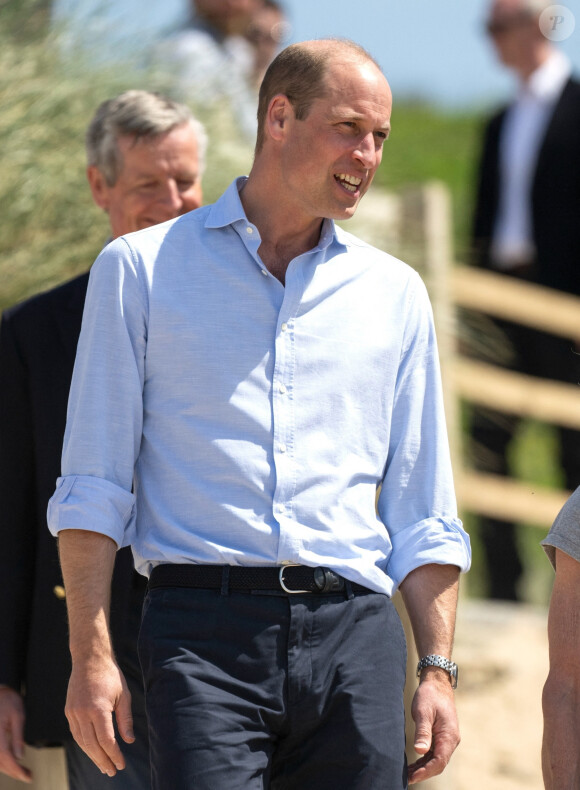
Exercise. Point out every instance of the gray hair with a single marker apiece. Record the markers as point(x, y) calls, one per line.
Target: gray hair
point(139, 114)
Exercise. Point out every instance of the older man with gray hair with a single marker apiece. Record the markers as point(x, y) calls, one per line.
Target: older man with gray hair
point(145, 160)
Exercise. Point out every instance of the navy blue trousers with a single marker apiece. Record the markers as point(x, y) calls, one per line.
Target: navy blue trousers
point(248, 691)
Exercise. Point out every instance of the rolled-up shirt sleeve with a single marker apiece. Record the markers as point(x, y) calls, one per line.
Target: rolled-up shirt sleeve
point(92, 504)
point(417, 500)
point(105, 409)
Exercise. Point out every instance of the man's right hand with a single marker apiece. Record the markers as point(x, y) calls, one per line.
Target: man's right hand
point(12, 735)
point(98, 691)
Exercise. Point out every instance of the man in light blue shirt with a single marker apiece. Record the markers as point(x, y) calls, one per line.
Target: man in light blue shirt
point(247, 377)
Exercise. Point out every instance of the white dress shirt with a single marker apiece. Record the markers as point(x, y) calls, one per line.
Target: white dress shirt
point(521, 137)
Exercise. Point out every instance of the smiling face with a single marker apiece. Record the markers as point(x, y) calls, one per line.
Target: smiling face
point(159, 179)
point(330, 157)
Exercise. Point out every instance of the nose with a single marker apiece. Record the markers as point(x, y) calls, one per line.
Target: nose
point(171, 198)
point(366, 151)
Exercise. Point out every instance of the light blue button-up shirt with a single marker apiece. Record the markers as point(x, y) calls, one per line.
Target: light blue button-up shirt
point(216, 416)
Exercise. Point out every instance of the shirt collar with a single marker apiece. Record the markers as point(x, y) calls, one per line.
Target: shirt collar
point(547, 81)
point(228, 210)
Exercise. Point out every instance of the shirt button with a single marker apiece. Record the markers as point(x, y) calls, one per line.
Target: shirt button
point(249, 229)
point(282, 448)
point(282, 389)
point(280, 508)
point(264, 272)
point(284, 327)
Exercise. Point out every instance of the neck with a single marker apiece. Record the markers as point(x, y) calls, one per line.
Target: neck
point(283, 235)
point(538, 56)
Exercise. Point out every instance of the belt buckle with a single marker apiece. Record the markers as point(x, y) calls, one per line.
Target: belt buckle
point(281, 579)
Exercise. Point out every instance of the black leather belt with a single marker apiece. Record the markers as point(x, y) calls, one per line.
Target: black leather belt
point(292, 579)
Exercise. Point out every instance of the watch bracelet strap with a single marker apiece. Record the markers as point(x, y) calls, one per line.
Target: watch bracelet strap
point(433, 660)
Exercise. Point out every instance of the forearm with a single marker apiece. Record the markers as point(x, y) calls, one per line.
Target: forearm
point(430, 596)
point(97, 690)
point(561, 695)
point(561, 709)
point(87, 560)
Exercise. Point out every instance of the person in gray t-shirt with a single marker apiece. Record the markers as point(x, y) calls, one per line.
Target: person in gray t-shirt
point(561, 743)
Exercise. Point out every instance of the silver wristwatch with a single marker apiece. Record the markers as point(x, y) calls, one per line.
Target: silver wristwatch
point(443, 663)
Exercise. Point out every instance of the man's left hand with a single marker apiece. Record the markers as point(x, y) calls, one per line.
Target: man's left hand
point(436, 725)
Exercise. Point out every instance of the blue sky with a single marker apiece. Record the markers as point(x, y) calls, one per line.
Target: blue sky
point(433, 49)
point(429, 49)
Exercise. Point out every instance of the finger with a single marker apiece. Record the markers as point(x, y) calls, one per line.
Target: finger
point(423, 736)
point(18, 737)
point(434, 761)
point(105, 736)
point(124, 717)
point(12, 747)
point(426, 767)
point(11, 767)
point(90, 744)
point(86, 736)
point(9, 760)
point(15, 771)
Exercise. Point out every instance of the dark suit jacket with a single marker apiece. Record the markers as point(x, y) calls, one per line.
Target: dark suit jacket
point(555, 195)
point(38, 341)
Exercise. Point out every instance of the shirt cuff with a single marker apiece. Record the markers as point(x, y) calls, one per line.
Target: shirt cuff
point(91, 504)
point(431, 541)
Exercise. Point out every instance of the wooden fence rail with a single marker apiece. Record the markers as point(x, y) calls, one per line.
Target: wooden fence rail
point(452, 286)
point(515, 300)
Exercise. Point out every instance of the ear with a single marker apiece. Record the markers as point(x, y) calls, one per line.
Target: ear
point(99, 187)
point(280, 112)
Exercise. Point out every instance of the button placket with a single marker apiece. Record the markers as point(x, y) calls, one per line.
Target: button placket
point(251, 239)
point(283, 417)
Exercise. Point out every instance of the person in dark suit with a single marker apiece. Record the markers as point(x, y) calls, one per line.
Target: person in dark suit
point(526, 226)
point(145, 159)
